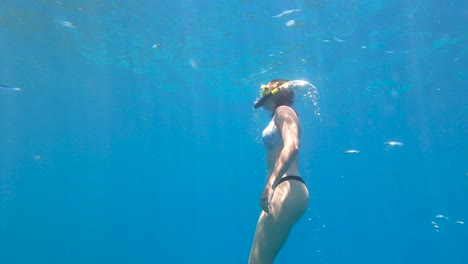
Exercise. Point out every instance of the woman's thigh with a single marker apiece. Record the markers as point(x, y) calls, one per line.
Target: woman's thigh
point(287, 206)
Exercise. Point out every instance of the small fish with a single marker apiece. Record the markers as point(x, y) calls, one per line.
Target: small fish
point(352, 151)
point(459, 222)
point(9, 88)
point(65, 23)
point(287, 12)
point(338, 39)
point(442, 216)
point(394, 143)
point(290, 23)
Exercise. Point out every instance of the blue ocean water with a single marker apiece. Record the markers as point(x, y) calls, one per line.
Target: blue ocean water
point(133, 138)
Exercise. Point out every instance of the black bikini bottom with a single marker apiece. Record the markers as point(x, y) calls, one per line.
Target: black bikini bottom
point(287, 178)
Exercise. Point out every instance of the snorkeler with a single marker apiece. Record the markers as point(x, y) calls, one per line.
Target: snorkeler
point(285, 197)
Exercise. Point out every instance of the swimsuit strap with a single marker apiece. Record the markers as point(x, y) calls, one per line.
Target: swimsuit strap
point(290, 177)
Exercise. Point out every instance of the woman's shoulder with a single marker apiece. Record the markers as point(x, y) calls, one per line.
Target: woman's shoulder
point(284, 113)
point(284, 110)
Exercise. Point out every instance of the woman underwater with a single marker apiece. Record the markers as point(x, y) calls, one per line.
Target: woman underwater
point(285, 197)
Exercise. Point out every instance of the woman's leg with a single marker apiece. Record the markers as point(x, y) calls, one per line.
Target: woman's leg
point(288, 204)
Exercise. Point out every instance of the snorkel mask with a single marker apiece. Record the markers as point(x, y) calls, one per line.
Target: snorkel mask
point(266, 94)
